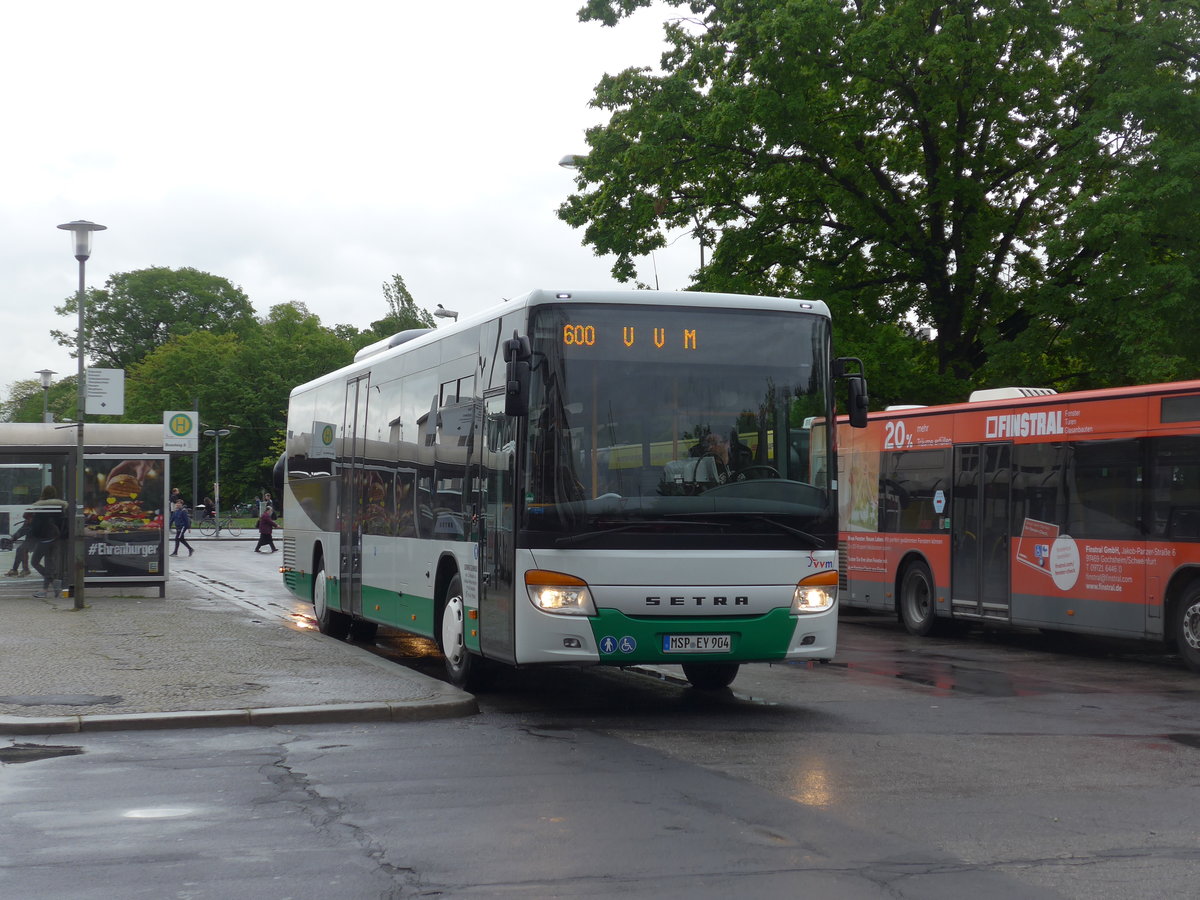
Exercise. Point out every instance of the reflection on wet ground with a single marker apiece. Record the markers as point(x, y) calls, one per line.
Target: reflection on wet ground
point(870, 649)
point(948, 679)
point(1017, 663)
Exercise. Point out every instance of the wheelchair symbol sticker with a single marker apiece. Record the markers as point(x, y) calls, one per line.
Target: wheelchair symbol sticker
point(610, 644)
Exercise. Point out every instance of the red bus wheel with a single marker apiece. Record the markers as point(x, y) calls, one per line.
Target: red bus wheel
point(1187, 628)
point(917, 599)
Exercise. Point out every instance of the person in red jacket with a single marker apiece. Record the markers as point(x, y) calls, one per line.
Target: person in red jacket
point(265, 526)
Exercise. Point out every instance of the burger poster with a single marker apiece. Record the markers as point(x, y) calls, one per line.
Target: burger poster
point(124, 517)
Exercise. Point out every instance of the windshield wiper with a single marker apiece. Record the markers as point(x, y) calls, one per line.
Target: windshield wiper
point(759, 517)
point(588, 535)
point(640, 523)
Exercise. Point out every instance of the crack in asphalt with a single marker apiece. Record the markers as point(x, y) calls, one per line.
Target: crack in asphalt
point(328, 816)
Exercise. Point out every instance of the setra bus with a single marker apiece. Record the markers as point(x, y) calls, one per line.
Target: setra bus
point(580, 478)
point(1075, 512)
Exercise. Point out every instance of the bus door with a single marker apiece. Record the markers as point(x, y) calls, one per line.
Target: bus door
point(353, 493)
point(979, 523)
point(496, 531)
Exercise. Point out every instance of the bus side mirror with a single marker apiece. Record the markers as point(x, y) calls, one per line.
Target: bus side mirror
point(857, 383)
point(517, 354)
point(858, 402)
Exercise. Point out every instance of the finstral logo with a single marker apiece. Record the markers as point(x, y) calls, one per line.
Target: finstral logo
point(1029, 424)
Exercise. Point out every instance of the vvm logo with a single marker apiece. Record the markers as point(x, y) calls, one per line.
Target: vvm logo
point(815, 563)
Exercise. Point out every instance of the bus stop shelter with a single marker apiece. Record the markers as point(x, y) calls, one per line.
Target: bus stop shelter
point(124, 503)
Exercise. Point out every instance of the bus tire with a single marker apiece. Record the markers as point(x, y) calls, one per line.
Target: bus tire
point(1186, 627)
point(330, 622)
point(917, 610)
point(710, 676)
point(463, 668)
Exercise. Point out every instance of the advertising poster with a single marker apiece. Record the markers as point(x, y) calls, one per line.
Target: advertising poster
point(124, 517)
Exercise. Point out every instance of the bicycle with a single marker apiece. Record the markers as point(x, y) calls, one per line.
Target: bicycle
point(209, 526)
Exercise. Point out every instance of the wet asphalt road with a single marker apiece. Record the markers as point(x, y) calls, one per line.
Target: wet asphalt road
point(985, 766)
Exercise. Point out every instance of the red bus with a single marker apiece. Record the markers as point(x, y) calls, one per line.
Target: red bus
point(1075, 512)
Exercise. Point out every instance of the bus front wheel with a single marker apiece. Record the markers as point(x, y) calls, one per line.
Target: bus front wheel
point(710, 676)
point(1187, 628)
point(330, 622)
point(463, 668)
point(916, 600)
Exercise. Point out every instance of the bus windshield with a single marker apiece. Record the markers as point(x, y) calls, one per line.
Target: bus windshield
point(677, 427)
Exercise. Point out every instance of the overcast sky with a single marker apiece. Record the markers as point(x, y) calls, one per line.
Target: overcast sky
point(305, 151)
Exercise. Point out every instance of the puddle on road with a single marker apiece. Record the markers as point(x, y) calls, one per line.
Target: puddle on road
point(22, 753)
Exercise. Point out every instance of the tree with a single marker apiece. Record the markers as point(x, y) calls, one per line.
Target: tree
point(241, 382)
point(296, 345)
point(403, 312)
point(139, 311)
point(24, 403)
point(219, 372)
point(1006, 173)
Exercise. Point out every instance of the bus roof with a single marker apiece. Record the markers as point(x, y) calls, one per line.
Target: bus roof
point(1140, 390)
point(541, 296)
point(1029, 402)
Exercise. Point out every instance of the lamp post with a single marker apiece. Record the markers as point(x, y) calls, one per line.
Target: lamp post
point(442, 313)
point(217, 433)
point(82, 240)
point(46, 373)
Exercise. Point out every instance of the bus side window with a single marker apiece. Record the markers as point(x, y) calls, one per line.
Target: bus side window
point(1175, 488)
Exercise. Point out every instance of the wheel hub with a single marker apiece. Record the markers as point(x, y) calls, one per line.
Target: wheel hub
point(319, 600)
point(452, 631)
point(1191, 626)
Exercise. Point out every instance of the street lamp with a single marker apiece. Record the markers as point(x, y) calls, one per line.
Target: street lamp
point(217, 433)
point(82, 231)
point(46, 373)
point(442, 313)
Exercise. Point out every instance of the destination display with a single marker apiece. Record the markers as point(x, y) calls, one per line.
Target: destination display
point(682, 335)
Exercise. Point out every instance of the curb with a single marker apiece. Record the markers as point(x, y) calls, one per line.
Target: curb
point(381, 711)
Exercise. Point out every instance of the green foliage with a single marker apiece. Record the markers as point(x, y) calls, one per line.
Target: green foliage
point(138, 311)
point(190, 340)
point(1018, 176)
point(24, 403)
point(403, 312)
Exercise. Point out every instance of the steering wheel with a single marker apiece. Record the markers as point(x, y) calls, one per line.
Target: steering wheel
point(770, 470)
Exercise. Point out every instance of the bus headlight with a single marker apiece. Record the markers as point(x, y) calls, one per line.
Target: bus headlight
point(554, 592)
point(816, 593)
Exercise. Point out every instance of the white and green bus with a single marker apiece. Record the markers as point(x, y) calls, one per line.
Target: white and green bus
point(579, 478)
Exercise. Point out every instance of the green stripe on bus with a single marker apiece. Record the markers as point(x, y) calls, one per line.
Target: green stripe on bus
point(760, 638)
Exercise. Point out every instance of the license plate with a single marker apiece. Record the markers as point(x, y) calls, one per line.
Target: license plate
point(697, 643)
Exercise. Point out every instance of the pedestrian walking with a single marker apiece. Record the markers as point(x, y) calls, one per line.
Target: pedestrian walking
point(181, 521)
point(48, 526)
point(24, 548)
point(266, 525)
